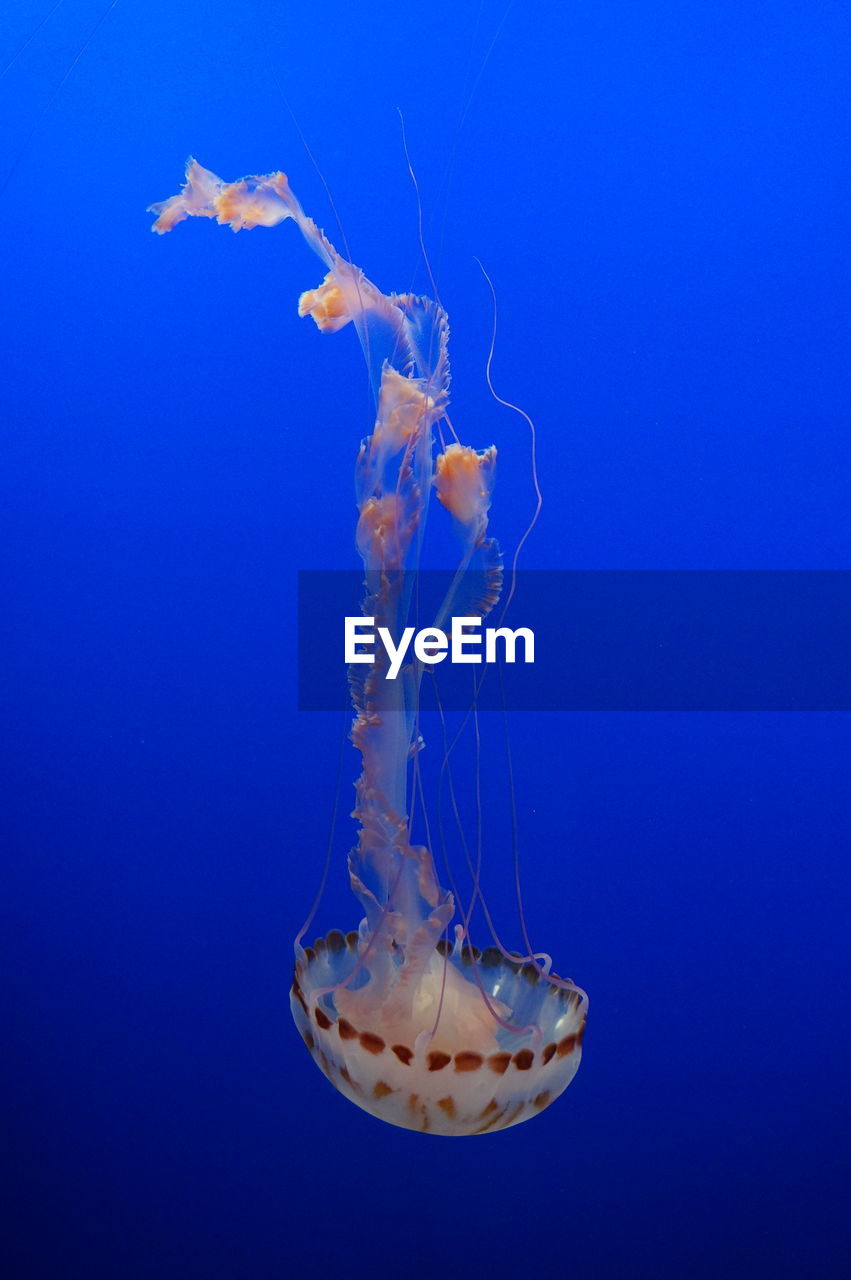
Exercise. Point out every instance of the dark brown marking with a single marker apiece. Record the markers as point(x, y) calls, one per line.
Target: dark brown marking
point(298, 995)
point(531, 973)
point(447, 1105)
point(319, 945)
point(381, 1090)
point(307, 1037)
point(413, 1101)
point(468, 1061)
point(581, 1032)
point(345, 1074)
point(371, 1042)
point(346, 1030)
point(489, 1109)
point(310, 953)
point(547, 1053)
point(542, 1099)
point(352, 940)
point(566, 1046)
point(438, 1060)
point(444, 947)
point(335, 940)
point(403, 1053)
point(491, 956)
point(322, 1019)
point(498, 1062)
point(524, 1059)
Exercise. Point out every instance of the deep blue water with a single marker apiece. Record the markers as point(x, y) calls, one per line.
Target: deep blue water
point(660, 194)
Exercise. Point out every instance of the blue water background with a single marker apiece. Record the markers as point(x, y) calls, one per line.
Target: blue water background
point(660, 194)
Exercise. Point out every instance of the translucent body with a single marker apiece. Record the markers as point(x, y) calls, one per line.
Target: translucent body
point(388, 1014)
point(485, 1080)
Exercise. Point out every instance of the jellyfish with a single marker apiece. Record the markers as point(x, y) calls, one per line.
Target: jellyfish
point(404, 1015)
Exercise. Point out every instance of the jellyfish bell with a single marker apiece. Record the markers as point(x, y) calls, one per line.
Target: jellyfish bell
point(416, 1027)
point(465, 1072)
